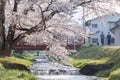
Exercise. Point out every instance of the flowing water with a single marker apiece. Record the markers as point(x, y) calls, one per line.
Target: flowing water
point(67, 77)
point(47, 70)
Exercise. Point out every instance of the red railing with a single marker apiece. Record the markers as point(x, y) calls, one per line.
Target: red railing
point(42, 47)
point(71, 47)
point(30, 47)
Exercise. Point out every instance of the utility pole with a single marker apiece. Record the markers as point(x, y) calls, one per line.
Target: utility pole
point(74, 44)
point(83, 20)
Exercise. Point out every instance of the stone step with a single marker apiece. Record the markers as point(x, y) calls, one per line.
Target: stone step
point(42, 60)
point(40, 57)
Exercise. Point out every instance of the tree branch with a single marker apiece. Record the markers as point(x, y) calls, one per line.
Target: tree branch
point(48, 6)
point(16, 2)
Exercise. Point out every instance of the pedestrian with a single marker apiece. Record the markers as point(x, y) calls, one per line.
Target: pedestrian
point(109, 38)
point(102, 36)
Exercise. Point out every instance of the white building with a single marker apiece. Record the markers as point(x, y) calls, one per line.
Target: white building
point(99, 24)
point(116, 31)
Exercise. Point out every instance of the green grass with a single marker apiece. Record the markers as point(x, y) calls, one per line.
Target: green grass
point(89, 54)
point(26, 56)
point(11, 60)
point(15, 75)
point(16, 67)
point(83, 62)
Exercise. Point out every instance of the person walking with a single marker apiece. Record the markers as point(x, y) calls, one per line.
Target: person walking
point(102, 36)
point(109, 38)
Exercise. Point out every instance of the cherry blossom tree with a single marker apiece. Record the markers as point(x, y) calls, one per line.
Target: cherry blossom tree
point(23, 18)
point(56, 36)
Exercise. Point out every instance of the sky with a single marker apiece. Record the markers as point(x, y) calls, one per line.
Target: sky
point(78, 16)
point(118, 9)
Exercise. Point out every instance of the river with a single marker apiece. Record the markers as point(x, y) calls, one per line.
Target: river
point(47, 70)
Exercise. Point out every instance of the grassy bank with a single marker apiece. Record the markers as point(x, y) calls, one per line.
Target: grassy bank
point(89, 54)
point(16, 67)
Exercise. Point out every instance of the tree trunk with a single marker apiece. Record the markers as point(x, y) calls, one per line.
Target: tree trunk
point(5, 49)
point(6, 52)
point(2, 21)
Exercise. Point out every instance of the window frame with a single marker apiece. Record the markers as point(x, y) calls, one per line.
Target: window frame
point(94, 26)
point(95, 41)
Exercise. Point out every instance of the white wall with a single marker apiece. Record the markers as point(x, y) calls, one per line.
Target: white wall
point(117, 36)
point(102, 26)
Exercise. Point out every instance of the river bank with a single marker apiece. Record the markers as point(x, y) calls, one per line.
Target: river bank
point(89, 55)
point(16, 67)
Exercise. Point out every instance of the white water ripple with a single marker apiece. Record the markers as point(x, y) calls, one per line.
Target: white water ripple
point(68, 77)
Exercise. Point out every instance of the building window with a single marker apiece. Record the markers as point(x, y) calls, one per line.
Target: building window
point(111, 24)
point(94, 25)
point(112, 40)
point(94, 40)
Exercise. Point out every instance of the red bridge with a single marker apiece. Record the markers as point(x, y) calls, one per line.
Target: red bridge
point(41, 47)
point(30, 47)
point(72, 43)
